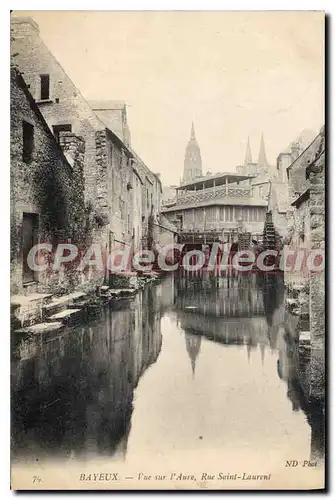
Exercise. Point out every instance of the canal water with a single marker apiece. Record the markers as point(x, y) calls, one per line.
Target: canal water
point(202, 368)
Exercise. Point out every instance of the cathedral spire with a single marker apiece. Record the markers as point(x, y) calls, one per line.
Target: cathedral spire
point(248, 157)
point(262, 161)
point(192, 160)
point(192, 131)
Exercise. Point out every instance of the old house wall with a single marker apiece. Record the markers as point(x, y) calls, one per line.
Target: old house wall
point(316, 175)
point(284, 160)
point(47, 185)
point(65, 105)
point(121, 209)
point(114, 115)
point(298, 214)
point(307, 232)
point(223, 217)
point(151, 203)
point(137, 212)
point(299, 246)
point(110, 218)
point(297, 182)
point(167, 237)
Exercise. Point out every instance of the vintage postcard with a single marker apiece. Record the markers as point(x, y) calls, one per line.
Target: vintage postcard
point(167, 250)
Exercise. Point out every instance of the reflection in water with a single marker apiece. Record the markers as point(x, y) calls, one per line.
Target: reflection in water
point(74, 395)
point(193, 343)
point(249, 311)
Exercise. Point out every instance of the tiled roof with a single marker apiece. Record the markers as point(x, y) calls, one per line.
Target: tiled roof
point(251, 202)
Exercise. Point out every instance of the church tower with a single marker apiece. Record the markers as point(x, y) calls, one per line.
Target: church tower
point(248, 157)
point(192, 161)
point(262, 161)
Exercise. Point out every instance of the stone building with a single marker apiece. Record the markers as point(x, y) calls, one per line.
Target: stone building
point(47, 200)
point(108, 161)
point(60, 102)
point(316, 174)
point(137, 193)
point(215, 208)
point(151, 203)
point(304, 280)
point(299, 212)
point(283, 191)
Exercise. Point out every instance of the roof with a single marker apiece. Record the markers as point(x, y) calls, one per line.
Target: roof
point(145, 171)
point(307, 152)
point(303, 197)
point(116, 139)
point(297, 169)
point(218, 176)
point(166, 224)
point(251, 202)
point(136, 171)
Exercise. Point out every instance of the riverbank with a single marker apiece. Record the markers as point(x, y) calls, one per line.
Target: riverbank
point(46, 315)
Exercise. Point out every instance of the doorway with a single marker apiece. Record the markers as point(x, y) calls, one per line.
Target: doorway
point(29, 239)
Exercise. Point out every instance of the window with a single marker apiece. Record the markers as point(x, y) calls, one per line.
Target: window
point(229, 214)
point(222, 213)
point(45, 87)
point(238, 213)
point(254, 214)
point(28, 141)
point(61, 128)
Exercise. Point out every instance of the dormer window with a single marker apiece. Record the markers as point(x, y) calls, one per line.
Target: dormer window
point(45, 87)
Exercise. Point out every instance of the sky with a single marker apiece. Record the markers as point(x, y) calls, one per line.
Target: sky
point(235, 74)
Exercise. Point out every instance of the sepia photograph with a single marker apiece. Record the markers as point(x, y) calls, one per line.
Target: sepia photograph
point(167, 250)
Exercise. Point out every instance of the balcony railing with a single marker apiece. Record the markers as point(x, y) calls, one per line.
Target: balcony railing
point(213, 193)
